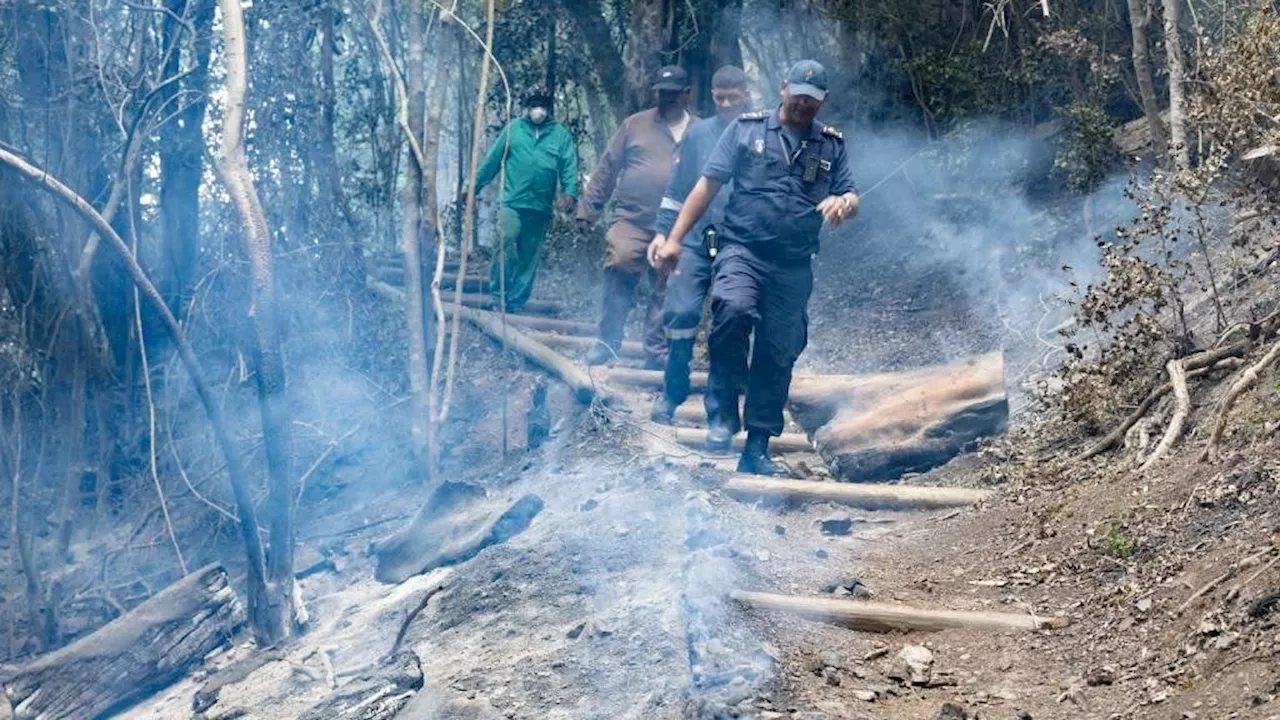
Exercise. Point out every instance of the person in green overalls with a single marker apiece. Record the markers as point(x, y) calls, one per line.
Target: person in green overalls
point(539, 153)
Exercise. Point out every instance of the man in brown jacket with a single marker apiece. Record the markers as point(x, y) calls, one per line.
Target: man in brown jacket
point(634, 170)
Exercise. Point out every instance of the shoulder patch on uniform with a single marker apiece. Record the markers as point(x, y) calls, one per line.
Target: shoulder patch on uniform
point(756, 115)
point(832, 132)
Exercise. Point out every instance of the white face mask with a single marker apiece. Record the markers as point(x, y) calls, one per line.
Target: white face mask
point(537, 115)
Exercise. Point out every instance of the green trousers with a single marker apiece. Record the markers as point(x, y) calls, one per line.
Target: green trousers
point(522, 233)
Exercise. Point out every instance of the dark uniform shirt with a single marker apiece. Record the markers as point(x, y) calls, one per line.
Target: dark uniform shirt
point(698, 143)
point(773, 206)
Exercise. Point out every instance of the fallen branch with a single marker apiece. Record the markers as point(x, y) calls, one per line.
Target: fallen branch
point(784, 443)
point(1182, 406)
point(1208, 587)
point(881, 617)
point(1195, 366)
point(408, 619)
point(1243, 382)
point(866, 496)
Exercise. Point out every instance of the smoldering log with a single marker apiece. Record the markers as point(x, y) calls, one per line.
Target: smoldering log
point(882, 617)
point(867, 497)
point(131, 657)
point(784, 443)
point(572, 374)
point(905, 422)
point(629, 349)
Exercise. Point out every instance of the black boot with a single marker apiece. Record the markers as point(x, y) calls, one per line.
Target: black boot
point(755, 456)
point(664, 411)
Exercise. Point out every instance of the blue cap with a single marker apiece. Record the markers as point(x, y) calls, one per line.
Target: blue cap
point(808, 77)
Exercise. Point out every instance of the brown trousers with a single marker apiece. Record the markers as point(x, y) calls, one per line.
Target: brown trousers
point(625, 263)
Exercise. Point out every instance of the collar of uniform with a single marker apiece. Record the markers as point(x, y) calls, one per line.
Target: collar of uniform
point(774, 122)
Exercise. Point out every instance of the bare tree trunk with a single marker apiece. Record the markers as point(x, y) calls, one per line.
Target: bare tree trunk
point(181, 149)
point(411, 246)
point(234, 168)
point(435, 320)
point(351, 257)
point(1138, 20)
point(594, 30)
point(648, 34)
point(1177, 78)
point(468, 218)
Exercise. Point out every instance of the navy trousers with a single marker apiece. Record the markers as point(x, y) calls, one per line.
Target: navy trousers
point(681, 314)
point(751, 293)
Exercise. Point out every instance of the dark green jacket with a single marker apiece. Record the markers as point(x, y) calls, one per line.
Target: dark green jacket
point(537, 157)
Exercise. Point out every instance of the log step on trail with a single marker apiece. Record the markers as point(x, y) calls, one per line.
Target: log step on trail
point(563, 327)
point(882, 617)
point(470, 284)
point(866, 496)
point(131, 657)
point(784, 443)
point(629, 349)
point(574, 375)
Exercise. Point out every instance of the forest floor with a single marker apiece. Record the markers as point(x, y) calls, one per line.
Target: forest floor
point(613, 602)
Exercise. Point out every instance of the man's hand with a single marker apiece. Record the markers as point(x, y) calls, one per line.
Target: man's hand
point(567, 203)
point(654, 245)
point(836, 209)
point(666, 256)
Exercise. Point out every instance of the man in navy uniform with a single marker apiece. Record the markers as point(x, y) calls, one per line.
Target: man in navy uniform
point(687, 285)
point(790, 174)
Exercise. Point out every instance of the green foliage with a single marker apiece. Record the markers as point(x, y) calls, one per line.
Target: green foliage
point(1086, 154)
point(1118, 543)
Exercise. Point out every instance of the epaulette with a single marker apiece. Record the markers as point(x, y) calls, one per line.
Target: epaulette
point(832, 132)
point(757, 115)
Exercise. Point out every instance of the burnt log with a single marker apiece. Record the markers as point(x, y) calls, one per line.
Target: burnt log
point(378, 694)
point(629, 349)
point(866, 496)
point(131, 657)
point(880, 427)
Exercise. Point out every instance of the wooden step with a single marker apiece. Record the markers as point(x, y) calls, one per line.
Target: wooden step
point(472, 284)
point(484, 302)
point(862, 495)
point(630, 348)
point(883, 617)
point(562, 327)
point(784, 443)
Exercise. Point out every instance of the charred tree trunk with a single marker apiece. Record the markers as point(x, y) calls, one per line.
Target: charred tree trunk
point(351, 256)
point(411, 245)
point(595, 33)
point(181, 150)
point(131, 657)
point(716, 45)
point(1138, 19)
point(648, 33)
point(273, 624)
point(1180, 151)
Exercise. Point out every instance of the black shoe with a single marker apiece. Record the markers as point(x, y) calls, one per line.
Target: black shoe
point(664, 411)
point(600, 354)
point(755, 457)
point(719, 438)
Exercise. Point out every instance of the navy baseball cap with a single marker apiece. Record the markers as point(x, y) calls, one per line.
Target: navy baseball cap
point(808, 77)
point(671, 77)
